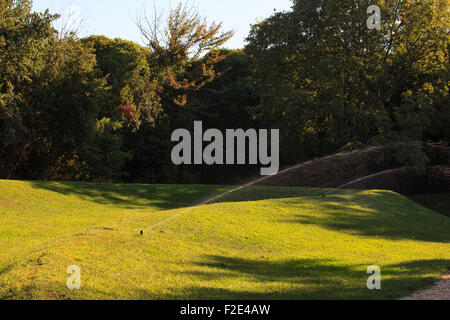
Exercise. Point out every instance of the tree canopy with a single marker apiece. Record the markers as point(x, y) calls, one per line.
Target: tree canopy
point(331, 83)
point(101, 109)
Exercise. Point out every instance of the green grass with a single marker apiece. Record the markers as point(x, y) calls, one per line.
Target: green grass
point(258, 243)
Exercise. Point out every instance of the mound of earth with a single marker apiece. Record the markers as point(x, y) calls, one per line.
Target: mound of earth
point(373, 168)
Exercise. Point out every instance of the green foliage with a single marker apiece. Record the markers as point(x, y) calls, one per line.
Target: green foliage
point(105, 158)
point(184, 53)
point(23, 37)
point(183, 60)
point(68, 92)
point(126, 68)
point(49, 95)
point(315, 72)
point(331, 83)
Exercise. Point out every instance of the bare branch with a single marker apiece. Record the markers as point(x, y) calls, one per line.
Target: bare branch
point(185, 33)
point(71, 22)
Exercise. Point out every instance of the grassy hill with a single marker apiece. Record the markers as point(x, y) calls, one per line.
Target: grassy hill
point(260, 242)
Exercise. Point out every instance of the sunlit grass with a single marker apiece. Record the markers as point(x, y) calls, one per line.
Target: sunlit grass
point(262, 242)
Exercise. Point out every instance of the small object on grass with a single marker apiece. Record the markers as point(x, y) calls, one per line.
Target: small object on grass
point(142, 232)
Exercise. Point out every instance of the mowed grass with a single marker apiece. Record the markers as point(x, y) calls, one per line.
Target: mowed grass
point(257, 243)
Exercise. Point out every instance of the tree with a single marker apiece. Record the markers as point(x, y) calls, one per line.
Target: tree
point(182, 48)
point(228, 101)
point(104, 157)
point(49, 94)
point(183, 59)
point(23, 39)
point(184, 36)
point(134, 89)
point(331, 83)
point(65, 96)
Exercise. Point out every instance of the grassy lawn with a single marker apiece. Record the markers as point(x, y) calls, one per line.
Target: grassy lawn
point(258, 243)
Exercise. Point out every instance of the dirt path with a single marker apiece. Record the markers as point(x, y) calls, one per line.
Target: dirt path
point(439, 291)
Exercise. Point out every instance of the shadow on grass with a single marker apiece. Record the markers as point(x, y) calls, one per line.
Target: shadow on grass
point(248, 279)
point(439, 202)
point(306, 279)
point(269, 193)
point(390, 217)
point(131, 196)
point(373, 214)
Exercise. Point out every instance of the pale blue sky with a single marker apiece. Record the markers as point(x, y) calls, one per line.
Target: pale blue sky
point(114, 18)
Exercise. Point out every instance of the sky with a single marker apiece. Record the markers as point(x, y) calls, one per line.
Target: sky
point(115, 18)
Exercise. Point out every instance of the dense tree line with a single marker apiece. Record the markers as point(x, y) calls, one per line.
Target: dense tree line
point(98, 109)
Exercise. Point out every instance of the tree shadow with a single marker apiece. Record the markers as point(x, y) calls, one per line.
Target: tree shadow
point(258, 193)
point(134, 196)
point(304, 279)
point(371, 213)
point(260, 279)
point(439, 202)
point(368, 214)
